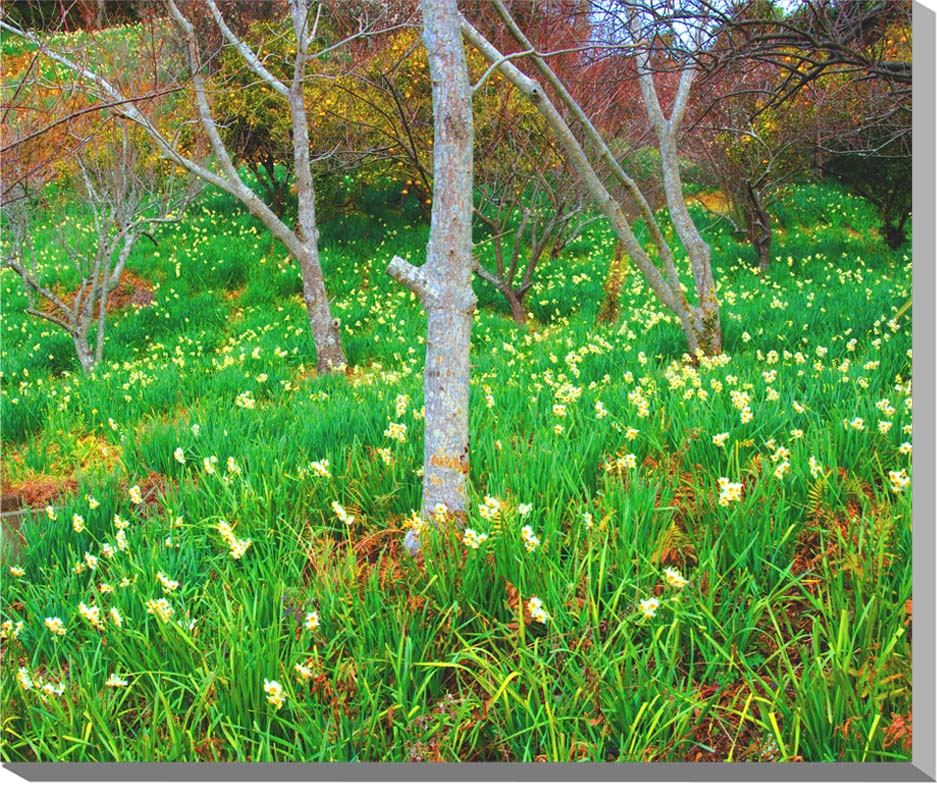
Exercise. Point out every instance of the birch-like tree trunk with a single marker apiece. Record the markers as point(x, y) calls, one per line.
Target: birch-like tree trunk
point(300, 241)
point(444, 282)
point(700, 323)
point(706, 314)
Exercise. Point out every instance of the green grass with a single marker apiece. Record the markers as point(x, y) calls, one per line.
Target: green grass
point(791, 640)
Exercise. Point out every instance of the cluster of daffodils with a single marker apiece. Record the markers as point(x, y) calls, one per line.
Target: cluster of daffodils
point(885, 407)
point(91, 614)
point(674, 579)
point(401, 402)
point(340, 513)
point(619, 463)
point(167, 583)
point(312, 621)
point(415, 523)
point(473, 539)
point(741, 401)
point(385, 455)
point(303, 673)
point(536, 611)
point(236, 546)
point(55, 625)
point(10, 630)
point(396, 431)
point(636, 398)
point(320, 468)
point(729, 492)
point(648, 608)
point(531, 541)
point(899, 480)
point(492, 508)
point(274, 692)
point(160, 608)
point(245, 400)
point(121, 525)
point(720, 439)
point(46, 689)
point(815, 467)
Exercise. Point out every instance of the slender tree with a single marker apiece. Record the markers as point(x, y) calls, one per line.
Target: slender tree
point(189, 18)
point(444, 282)
point(116, 192)
point(590, 151)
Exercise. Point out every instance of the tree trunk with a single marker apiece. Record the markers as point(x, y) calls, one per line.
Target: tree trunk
point(894, 235)
point(609, 310)
point(446, 401)
point(84, 352)
point(759, 227)
point(326, 332)
point(707, 329)
point(516, 303)
point(444, 283)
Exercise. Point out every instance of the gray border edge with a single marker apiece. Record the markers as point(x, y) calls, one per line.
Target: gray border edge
point(924, 694)
point(520, 772)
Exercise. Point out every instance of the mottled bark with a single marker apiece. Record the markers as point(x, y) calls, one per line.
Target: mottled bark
point(444, 282)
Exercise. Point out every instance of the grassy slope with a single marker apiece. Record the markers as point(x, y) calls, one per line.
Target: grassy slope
point(791, 638)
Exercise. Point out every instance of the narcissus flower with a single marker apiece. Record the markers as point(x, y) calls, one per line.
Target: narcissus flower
point(536, 610)
point(649, 607)
point(729, 491)
point(168, 584)
point(274, 692)
point(899, 480)
point(92, 615)
point(320, 468)
point(531, 541)
point(312, 621)
point(160, 608)
point(473, 539)
point(396, 431)
point(674, 578)
point(340, 513)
